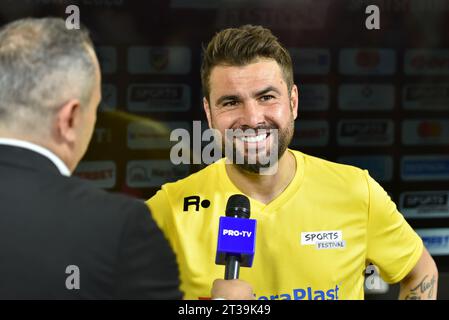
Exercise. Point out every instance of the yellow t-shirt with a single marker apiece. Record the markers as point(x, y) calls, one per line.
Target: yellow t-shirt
point(349, 213)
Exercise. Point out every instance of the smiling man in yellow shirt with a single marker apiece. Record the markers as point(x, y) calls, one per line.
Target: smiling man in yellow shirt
point(319, 223)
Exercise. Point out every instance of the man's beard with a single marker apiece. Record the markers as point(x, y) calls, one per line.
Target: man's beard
point(274, 153)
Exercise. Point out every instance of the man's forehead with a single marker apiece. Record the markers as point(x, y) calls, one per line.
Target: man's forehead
point(259, 67)
point(256, 75)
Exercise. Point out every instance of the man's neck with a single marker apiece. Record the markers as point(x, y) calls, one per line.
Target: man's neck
point(264, 188)
point(60, 162)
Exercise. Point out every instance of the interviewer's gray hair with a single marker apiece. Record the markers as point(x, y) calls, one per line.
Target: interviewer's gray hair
point(42, 66)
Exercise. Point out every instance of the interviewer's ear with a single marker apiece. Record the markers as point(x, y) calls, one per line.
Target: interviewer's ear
point(68, 120)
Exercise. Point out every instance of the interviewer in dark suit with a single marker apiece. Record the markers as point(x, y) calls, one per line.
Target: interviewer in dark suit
point(60, 238)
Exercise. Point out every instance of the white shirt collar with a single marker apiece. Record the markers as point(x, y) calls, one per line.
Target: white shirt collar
point(62, 167)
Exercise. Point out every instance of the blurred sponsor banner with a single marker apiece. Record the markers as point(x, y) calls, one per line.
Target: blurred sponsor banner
point(426, 62)
point(159, 60)
point(148, 97)
point(425, 204)
point(365, 132)
point(101, 173)
point(426, 97)
point(367, 61)
point(366, 97)
point(310, 61)
point(311, 133)
point(153, 173)
point(425, 132)
point(435, 240)
point(422, 168)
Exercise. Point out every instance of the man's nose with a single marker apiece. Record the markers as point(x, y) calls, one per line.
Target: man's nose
point(252, 114)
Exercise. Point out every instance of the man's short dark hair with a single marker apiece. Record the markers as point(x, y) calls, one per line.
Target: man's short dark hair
point(242, 46)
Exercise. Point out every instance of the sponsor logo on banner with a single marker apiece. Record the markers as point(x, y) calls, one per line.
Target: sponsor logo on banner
point(425, 132)
point(158, 97)
point(108, 97)
point(366, 97)
point(367, 61)
point(159, 60)
point(435, 240)
point(107, 57)
point(426, 62)
point(428, 97)
point(379, 167)
point(311, 133)
point(153, 173)
point(101, 173)
point(425, 204)
point(146, 135)
point(310, 61)
point(370, 132)
point(422, 168)
point(314, 97)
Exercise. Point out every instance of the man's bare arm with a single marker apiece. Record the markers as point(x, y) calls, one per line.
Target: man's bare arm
point(422, 282)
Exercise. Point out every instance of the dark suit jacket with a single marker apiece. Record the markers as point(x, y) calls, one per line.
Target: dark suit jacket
point(49, 222)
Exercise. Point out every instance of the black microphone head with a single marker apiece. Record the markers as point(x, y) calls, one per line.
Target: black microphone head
point(238, 206)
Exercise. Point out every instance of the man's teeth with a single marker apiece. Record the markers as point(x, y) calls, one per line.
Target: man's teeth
point(258, 138)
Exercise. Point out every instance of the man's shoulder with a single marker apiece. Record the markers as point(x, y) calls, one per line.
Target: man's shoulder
point(86, 195)
point(324, 172)
point(320, 164)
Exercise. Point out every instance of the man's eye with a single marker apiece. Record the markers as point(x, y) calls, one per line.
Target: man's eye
point(230, 103)
point(266, 97)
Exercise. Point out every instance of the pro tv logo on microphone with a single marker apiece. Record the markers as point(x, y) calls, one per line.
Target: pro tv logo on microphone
point(237, 233)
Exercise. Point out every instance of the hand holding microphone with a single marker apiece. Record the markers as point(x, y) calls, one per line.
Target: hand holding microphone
point(235, 248)
point(232, 290)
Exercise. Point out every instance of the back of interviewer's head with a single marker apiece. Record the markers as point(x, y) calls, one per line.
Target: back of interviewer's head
point(42, 66)
point(242, 46)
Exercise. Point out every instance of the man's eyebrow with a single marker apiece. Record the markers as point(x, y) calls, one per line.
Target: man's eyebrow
point(256, 94)
point(266, 90)
point(226, 97)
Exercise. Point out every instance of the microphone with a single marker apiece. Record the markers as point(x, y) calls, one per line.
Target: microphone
point(236, 237)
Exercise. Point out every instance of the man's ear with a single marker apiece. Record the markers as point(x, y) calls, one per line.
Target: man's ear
point(294, 101)
point(206, 107)
point(67, 120)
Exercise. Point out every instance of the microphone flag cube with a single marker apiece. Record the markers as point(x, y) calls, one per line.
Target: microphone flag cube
point(236, 236)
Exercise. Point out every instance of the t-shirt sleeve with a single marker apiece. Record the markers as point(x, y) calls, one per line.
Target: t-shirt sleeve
point(392, 245)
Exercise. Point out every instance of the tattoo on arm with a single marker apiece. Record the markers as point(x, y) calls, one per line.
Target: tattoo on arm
point(424, 287)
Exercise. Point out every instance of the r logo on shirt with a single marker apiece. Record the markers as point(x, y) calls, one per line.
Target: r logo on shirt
point(196, 202)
